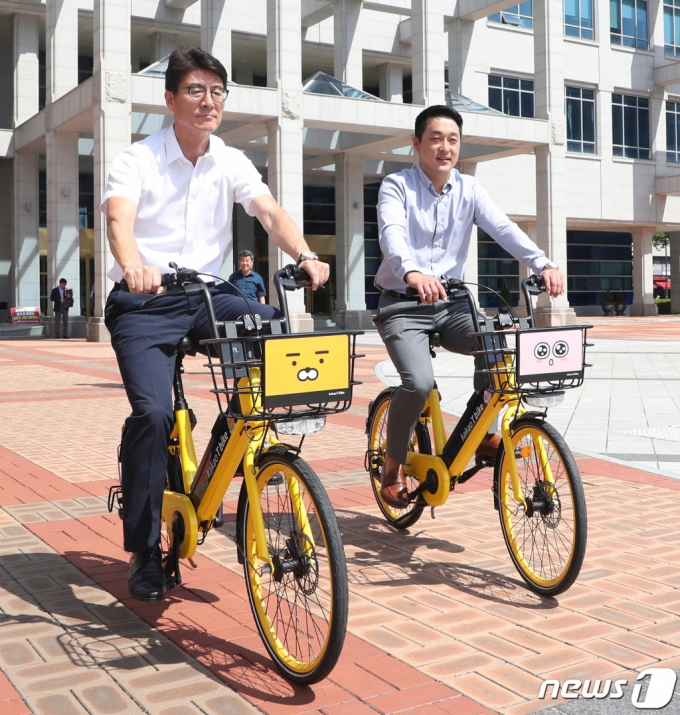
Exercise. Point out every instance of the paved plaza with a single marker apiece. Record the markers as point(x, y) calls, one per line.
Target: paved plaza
point(440, 622)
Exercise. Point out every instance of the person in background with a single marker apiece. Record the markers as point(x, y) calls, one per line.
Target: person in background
point(61, 302)
point(249, 283)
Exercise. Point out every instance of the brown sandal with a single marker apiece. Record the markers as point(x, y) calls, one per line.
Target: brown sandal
point(393, 489)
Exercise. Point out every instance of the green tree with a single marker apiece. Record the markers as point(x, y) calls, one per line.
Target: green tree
point(661, 239)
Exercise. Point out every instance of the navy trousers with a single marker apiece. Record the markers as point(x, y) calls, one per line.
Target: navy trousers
point(145, 341)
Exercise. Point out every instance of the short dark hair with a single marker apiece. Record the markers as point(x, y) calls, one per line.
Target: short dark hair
point(438, 110)
point(63, 280)
point(182, 61)
point(246, 254)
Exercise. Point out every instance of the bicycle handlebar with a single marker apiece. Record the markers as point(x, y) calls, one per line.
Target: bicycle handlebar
point(456, 289)
point(187, 282)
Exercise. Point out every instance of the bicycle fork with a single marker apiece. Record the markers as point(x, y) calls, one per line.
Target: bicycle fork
point(510, 415)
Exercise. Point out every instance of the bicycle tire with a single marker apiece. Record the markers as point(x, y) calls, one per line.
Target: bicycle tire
point(301, 612)
point(556, 532)
point(377, 444)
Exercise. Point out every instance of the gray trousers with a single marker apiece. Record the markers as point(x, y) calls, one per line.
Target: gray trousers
point(58, 315)
point(405, 327)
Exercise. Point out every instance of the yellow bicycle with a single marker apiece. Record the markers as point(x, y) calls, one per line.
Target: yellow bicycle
point(287, 536)
point(536, 486)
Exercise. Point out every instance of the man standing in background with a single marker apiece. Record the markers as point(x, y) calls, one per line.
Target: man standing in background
point(249, 283)
point(62, 300)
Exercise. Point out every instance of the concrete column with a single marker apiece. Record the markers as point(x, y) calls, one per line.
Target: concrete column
point(5, 237)
point(427, 23)
point(524, 272)
point(391, 82)
point(349, 232)
point(26, 243)
point(162, 44)
point(471, 270)
point(674, 253)
point(63, 235)
point(643, 272)
point(284, 135)
point(459, 37)
point(111, 115)
point(216, 30)
point(551, 215)
point(347, 56)
point(61, 51)
point(25, 47)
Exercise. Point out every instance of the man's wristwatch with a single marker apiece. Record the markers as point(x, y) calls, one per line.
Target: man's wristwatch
point(307, 256)
point(550, 264)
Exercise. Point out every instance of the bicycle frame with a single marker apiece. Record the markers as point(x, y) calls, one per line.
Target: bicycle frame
point(446, 468)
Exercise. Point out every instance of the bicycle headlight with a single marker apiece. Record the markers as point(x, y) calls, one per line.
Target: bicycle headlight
point(549, 399)
point(305, 425)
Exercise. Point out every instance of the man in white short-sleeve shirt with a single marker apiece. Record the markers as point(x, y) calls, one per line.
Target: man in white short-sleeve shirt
point(170, 198)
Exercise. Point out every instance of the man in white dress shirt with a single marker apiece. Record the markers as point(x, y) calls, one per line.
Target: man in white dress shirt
point(425, 217)
point(169, 198)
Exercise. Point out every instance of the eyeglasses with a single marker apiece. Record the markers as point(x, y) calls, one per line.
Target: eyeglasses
point(197, 92)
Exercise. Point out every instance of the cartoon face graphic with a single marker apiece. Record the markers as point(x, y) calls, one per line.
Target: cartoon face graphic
point(298, 366)
point(545, 354)
point(307, 373)
point(542, 350)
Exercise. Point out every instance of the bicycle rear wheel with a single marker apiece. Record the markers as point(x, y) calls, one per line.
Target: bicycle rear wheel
point(377, 445)
point(547, 542)
point(301, 606)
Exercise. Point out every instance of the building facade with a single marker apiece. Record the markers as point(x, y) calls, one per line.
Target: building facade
point(571, 122)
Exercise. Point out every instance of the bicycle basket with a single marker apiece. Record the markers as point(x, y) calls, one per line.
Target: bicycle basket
point(542, 359)
point(276, 376)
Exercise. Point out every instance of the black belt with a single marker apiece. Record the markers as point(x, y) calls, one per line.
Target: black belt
point(399, 296)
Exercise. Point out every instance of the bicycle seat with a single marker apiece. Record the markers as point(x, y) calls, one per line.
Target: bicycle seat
point(185, 346)
point(435, 340)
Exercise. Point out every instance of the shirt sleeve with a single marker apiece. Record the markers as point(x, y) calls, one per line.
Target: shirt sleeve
point(125, 178)
point(248, 183)
point(505, 232)
point(261, 290)
point(392, 227)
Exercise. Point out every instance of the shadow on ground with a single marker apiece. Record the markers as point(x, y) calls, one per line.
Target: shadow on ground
point(94, 629)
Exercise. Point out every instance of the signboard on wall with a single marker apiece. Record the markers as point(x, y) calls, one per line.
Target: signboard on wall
point(25, 316)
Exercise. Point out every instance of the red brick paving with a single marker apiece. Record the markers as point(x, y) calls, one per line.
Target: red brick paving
point(615, 618)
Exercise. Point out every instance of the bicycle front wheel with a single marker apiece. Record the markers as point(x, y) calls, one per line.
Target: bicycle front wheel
point(547, 540)
point(300, 605)
point(377, 446)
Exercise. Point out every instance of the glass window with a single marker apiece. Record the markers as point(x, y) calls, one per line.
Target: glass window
point(628, 23)
point(372, 253)
point(673, 131)
point(497, 270)
point(511, 95)
point(578, 18)
point(598, 261)
point(319, 210)
point(521, 15)
point(580, 111)
point(630, 126)
point(671, 27)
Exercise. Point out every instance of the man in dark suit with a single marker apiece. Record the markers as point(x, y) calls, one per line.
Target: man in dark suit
point(62, 300)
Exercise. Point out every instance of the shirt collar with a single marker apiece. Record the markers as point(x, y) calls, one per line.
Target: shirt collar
point(429, 185)
point(173, 150)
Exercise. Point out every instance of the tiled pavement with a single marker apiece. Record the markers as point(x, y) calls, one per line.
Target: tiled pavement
point(439, 620)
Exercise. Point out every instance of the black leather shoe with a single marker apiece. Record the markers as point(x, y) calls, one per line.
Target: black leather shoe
point(146, 578)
